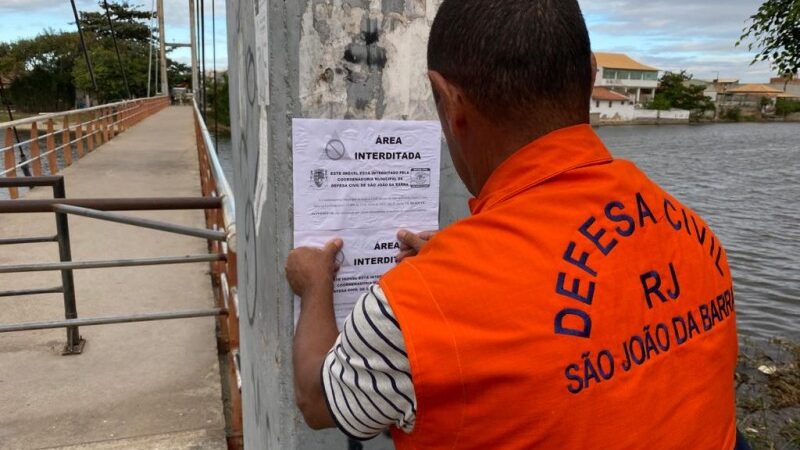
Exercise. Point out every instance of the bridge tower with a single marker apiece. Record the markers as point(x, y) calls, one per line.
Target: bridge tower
point(338, 59)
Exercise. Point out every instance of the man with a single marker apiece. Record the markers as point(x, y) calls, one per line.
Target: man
point(580, 306)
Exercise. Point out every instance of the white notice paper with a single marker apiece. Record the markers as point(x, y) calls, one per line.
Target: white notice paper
point(362, 181)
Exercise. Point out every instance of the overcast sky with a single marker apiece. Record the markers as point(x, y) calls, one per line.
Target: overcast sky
point(697, 36)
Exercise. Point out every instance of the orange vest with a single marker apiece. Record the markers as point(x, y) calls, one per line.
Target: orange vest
point(579, 307)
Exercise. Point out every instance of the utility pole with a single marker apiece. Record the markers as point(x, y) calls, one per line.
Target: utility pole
point(194, 49)
point(162, 49)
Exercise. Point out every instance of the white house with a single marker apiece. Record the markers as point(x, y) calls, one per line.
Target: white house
point(611, 106)
point(620, 73)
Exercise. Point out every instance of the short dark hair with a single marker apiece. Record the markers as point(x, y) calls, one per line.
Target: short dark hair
point(512, 57)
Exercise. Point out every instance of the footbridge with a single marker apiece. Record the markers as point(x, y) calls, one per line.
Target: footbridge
point(118, 304)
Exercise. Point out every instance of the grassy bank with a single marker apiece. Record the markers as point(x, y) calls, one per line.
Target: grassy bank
point(17, 115)
point(768, 394)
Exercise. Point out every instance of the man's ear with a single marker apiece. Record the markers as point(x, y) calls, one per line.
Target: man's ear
point(594, 69)
point(449, 99)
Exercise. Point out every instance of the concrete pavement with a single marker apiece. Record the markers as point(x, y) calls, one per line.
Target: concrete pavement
point(144, 385)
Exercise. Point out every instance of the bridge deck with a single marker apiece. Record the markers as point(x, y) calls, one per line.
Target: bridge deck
point(144, 385)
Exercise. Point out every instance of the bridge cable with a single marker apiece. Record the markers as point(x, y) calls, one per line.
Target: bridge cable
point(4, 98)
point(116, 48)
point(83, 47)
point(150, 47)
point(214, 59)
point(203, 44)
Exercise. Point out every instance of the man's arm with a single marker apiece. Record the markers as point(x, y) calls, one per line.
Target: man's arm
point(311, 273)
point(359, 380)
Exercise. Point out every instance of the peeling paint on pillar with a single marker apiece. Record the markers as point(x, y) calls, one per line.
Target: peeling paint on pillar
point(374, 49)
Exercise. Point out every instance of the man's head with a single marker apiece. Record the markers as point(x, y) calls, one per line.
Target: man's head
point(507, 69)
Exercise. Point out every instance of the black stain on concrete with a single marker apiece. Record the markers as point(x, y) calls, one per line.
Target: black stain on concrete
point(365, 49)
point(366, 84)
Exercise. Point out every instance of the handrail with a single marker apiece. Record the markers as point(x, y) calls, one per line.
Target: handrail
point(55, 115)
point(223, 188)
point(80, 129)
point(214, 184)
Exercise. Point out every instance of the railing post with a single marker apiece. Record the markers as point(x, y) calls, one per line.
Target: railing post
point(233, 343)
point(100, 127)
point(96, 129)
point(10, 160)
point(79, 137)
point(105, 125)
point(35, 153)
point(123, 121)
point(114, 116)
point(52, 160)
point(75, 343)
point(66, 147)
point(90, 133)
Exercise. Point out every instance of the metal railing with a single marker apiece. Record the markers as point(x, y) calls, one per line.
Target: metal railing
point(84, 129)
point(98, 209)
point(74, 343)
point(220, 234)
point(214, 183)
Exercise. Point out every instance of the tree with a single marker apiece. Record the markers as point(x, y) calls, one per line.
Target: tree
point(219, 100)
point(775, 31)
point(48, 71)
point(675, 91)
point(178, 73)
point(130, 24)
point(40, 69)
point(134, 40)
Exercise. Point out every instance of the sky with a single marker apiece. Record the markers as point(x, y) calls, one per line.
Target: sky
point(691, 35)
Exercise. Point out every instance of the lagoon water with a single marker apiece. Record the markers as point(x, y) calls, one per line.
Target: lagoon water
point(744, 179)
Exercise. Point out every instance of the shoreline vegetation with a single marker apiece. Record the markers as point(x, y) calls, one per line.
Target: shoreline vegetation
point(686, 122)
point(768, 393)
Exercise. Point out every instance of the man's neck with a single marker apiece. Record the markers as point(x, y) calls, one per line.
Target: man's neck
point(498, 145)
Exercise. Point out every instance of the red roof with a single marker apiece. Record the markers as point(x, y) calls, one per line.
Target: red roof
point(604, 94)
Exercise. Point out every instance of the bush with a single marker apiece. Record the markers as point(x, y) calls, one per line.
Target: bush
point(732, 114)
point(785, 106)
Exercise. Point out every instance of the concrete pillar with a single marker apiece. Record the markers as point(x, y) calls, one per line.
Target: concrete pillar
point(353, 59)
point(162, 47)
point(638, 95)
point(193, 34)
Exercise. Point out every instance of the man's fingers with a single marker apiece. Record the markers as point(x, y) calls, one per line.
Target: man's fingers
point(427, 235)
point(405, 254)
point(412, 240)
point(334, 246)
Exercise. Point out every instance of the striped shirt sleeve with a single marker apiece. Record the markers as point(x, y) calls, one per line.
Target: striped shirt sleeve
point(366, 375)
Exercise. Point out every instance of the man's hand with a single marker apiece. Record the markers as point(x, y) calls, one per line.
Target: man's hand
point(411, 243)
point(310, 269)
point(310, 272)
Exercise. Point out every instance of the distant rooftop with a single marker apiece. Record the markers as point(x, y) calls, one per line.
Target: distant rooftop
point(783, 80)
point(603, 94)
point(755, 89)
point(620, 61)
point(727, 80)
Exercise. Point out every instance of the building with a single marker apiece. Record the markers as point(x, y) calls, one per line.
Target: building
point(755, 97)
point(709, 88)
point(789, 86)
point(722, 85)
point(611, 106)
point(622, 74)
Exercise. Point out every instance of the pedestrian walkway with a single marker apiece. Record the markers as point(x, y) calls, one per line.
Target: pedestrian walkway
point(140, 385)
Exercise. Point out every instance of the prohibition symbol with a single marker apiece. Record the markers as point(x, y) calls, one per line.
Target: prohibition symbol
point(335, 149)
